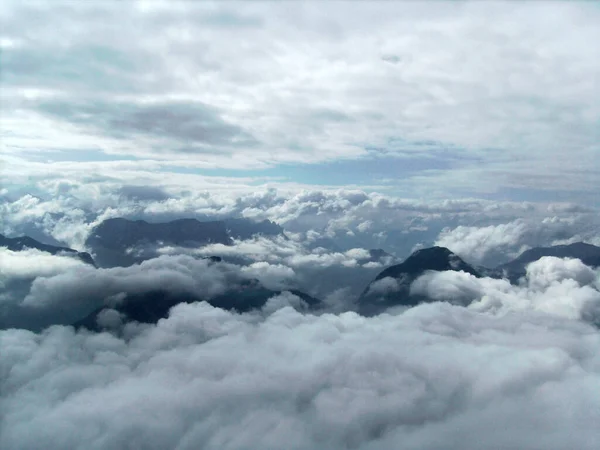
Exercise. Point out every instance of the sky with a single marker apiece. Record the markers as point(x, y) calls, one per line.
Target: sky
point(427, 100)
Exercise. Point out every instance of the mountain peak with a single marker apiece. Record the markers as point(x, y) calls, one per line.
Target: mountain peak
point(432, 258)
point(381, 294)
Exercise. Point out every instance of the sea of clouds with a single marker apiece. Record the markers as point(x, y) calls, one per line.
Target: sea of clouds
point(518, 367)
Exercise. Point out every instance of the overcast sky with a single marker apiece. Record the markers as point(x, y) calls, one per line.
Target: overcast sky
point(420, 100)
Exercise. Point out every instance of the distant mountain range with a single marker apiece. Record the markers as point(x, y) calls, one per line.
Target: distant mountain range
point(120, 242)
point(21, 243)
point(515, 269)
point(392, 286)
point(123, 242)
point(246, 228)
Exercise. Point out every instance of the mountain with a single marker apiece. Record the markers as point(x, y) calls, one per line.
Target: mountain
point(247, 228)
point(122, 242)
point(515, 269)
point(24, 242)
point(377, 255)
point(150, 307)
point(392, 286)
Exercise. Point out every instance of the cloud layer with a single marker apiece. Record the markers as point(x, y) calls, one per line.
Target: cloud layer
point(39, 297)
point(439, 376)
point(481, 231)
point(449, 99)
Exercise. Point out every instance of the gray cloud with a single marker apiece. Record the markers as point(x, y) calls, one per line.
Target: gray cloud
point(192, 123)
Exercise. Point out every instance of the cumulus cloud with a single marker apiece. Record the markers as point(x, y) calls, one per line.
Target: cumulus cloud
point(562, 287)
point(272, 276)
point(435, 376)
point(65, 296)
point(33, 263)
point(550, 270)
point(284, 300)
point(281, 262)
point(18, 270)
point(456, 287)
point(318, 216)
point(497, 243)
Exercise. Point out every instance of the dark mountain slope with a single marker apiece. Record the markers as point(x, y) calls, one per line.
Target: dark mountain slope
point(392, 286)
point(150, 307)
point(587, 253)
point(122, 242)
point(247, 228)
point(24, 242)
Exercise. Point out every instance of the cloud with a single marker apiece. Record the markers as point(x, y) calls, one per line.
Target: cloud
point(143, 193)
point(550, 270)
point(384, 286)
point(18, 270)
point(435, 376)
point(62, 296)
point(283, 263)
point(481, 231)
point(32, 263)
point(478, 243)
point(561, 287)
point(459, 288)
point(498, 93)
point(192, 124)
point(283, 300)
point(493, 244)
point(272, 276)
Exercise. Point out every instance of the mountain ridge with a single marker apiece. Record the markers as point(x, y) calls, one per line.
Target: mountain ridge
point(20, 243)
point(588, 254)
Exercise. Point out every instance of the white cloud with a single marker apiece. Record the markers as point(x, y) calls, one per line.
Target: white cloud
point(284, 263)
point(561, 287)
point(550, 270)
point(476, 243)
point(32, 263)
point(493, 244)
point(436, 376)
point(283, 300)
point(481, 231)
point(69, 295)
point(272, 276)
